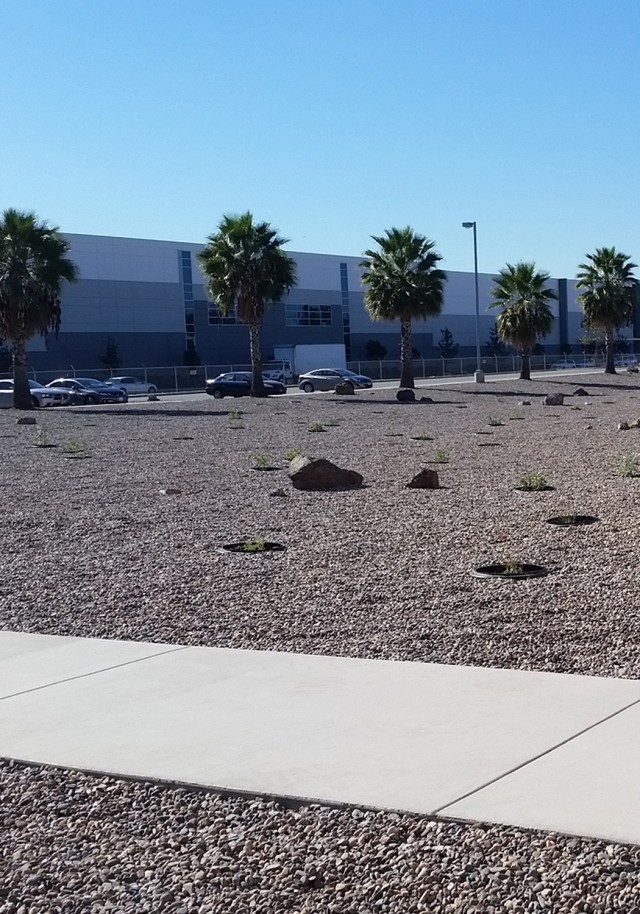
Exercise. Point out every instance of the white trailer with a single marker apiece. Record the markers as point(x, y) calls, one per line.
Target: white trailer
point(305, 357)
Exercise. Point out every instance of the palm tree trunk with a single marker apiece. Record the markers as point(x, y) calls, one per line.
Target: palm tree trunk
point(525, 370)
point(257, 387)
point(21, 393)
point(406, 371)
point(609, 367)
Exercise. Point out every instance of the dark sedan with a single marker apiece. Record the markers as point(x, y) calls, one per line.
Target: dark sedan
point(238, 384)
point(89, 390)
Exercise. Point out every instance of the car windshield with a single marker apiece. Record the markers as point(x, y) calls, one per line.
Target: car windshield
point(89, 382)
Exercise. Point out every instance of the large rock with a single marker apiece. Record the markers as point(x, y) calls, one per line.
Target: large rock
point(26, 420)
point(554, 400)
point(580, 392)
point(321, 475)
point(405, 395)
point(425, 479)
point(344, 390)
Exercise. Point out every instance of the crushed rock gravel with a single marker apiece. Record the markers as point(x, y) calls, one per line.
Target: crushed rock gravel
point(74, 843)
point(91, 547)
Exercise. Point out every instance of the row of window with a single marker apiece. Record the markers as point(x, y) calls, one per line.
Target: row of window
point(295, 315)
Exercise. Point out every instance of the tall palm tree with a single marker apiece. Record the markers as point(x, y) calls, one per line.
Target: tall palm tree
point(245, 267)
point(33, 268)
point(403, 282)
point(521, 291)
point(608, 295)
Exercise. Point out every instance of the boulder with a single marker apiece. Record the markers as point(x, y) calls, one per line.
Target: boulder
point(321, 475)
point(553, 400)
point(623, 426)
point(26, 420)
point(580, 392)
point(633, 370)
point(405, 395)
point(425, 479)
point(426, 400)
point(635, 423)
point(278, 493)
point(524, 402)
point(344, 390)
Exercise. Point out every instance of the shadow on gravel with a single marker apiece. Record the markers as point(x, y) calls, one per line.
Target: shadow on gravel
point(150, 411)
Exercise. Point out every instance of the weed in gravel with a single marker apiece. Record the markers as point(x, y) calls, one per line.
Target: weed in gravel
point(42, 438)
point(235, 414)
point(628, 465)
point(493, 420)
point(254, 544)
point(262, 461)
point(440, 456)
point(316, 426)
point(291, 454)
point(76, 448)
point(535, 481)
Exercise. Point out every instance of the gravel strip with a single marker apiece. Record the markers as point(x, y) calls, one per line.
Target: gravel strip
point(92, 547)
point(74, 843)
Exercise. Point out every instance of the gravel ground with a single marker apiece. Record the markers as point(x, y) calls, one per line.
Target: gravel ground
point(73, 843)
point(92, 548)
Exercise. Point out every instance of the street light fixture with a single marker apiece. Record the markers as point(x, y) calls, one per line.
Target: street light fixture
point(479, 374)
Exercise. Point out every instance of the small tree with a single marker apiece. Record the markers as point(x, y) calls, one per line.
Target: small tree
point(447, 347)
point(110, 357)
point(191, 358)
point(495, 345)
point(375, 350)
point(415, 353)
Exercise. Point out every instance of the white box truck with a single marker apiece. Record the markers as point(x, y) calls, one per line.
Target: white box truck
point(307, 356)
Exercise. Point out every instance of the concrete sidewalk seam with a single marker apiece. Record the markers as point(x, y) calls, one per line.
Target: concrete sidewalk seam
point(439, 809)
point(106, 669)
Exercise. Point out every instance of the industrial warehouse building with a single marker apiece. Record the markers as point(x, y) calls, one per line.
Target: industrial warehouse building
point(148, 298)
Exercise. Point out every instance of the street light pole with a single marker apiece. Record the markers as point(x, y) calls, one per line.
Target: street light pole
point(479, 374)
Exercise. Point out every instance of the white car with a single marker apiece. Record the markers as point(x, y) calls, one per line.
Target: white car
point(565, 363)
point(40, 396)
point(621, 361)
point(132, 385)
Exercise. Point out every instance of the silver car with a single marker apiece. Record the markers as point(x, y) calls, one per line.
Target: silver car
point(40, 396)
point(327, 378)
point(132, 385)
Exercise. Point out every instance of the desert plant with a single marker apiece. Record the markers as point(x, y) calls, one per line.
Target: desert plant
point(316, 426)
point(76, 448)
point(628, 465)
point(262, 461)
point(42, 438)
point(235, 414)
point(291, 454)
point(535, 481)
point(440, 456)
point(254, 544)
point(447, 347)
point(493, 420)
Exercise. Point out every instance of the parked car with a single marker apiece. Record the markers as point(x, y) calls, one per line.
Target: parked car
point(40, 396)
point(564, 363)
point(622, 361)
point(88, 390)
point(132, 385)
point(238, 384)
point(327, 378)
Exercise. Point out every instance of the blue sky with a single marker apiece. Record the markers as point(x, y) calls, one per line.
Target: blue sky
point(333, 121)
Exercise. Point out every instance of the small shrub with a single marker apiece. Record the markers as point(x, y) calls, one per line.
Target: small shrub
point(628, 465)
point(441, 456)
point(533, 482)
point(291, 454)
point(316, 427)
point(76, 448)
point(262, 461)
point(254, 544)
point(235, 414)
point(493, 420)
point(42, 438)
point(235, 425)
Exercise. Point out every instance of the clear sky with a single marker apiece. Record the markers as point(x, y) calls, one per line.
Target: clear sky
point(333, 120)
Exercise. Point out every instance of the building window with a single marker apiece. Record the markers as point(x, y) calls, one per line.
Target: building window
point(308, 315)
point(217, 317)
point(187, 297)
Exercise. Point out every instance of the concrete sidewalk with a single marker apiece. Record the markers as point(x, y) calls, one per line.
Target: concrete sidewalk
point(538, 750)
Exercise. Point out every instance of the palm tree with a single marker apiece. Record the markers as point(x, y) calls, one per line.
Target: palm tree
point(245, 267)
point(33, 268)
point(403, 283)
point(521, 291)
point(608, 297)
